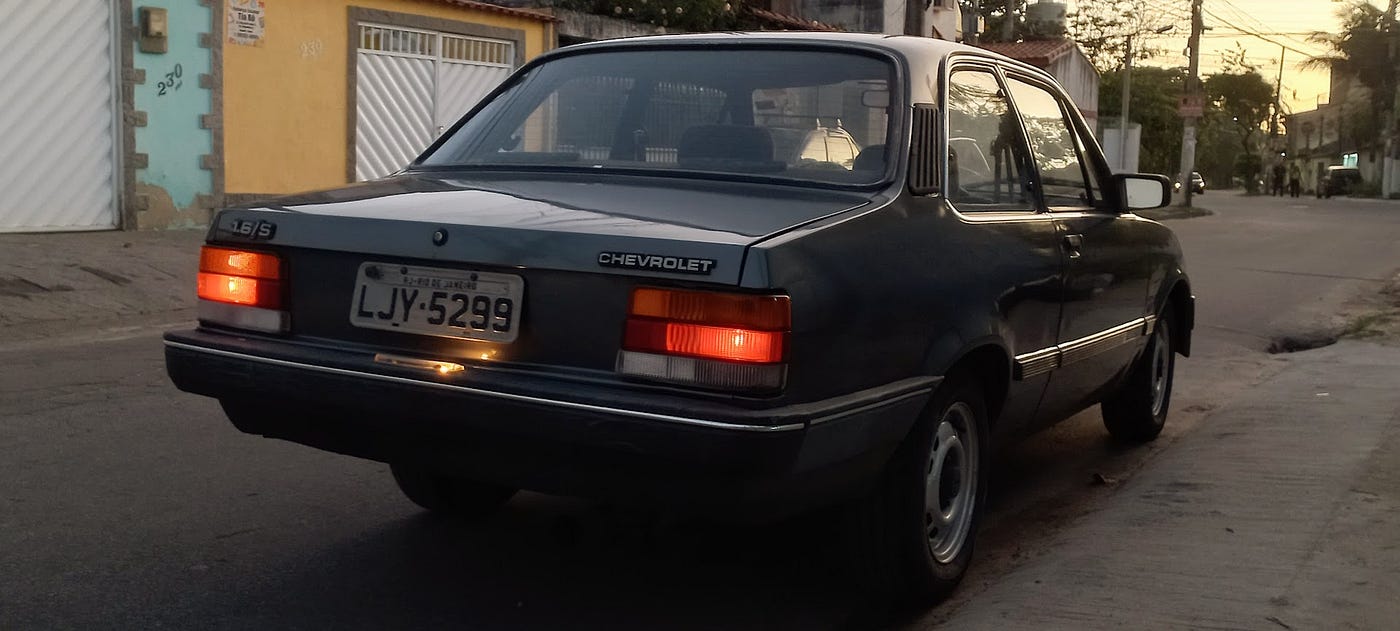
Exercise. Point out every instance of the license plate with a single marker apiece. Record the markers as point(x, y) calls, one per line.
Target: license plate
point(441, 302)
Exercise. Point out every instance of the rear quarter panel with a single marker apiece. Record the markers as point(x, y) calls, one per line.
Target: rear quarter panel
point(904, 290)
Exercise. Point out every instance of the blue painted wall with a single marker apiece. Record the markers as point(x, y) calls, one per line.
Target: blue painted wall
point(173, 101)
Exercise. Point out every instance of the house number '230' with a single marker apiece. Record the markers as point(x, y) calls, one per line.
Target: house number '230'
point(173, 81)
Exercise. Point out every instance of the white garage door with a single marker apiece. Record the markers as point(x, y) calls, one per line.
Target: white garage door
point(57, 116)
point(411, 85)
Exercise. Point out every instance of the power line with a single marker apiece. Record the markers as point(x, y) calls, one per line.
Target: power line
point(1252, 33)
point(1259, 25)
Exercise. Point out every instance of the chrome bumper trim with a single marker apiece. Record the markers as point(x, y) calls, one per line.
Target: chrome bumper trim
point(520, 398)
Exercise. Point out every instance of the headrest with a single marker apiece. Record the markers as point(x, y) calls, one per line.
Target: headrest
point(871, 158)
point(725, 142)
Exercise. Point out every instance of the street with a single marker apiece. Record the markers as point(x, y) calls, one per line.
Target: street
point(1272, 500)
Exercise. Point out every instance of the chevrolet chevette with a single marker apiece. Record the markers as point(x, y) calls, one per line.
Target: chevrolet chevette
point(749, 275)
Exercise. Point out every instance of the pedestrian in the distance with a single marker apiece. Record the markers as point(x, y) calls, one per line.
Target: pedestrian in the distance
point(1295, 182)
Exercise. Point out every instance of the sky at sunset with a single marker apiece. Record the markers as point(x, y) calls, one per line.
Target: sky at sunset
point(1286, 22)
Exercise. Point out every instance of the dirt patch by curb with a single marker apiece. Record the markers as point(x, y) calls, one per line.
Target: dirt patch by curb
point(1376, 317)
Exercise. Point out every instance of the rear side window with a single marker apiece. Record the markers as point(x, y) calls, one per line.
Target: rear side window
point(987, 158)
point(1065, 181)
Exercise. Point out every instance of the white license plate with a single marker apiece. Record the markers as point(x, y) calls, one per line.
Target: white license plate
point(442, 302)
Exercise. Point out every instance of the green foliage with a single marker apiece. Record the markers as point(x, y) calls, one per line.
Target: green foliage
point(686, 15)
point(1246, 99)
point(1249, 166)
point(1102, 28)
point(1217, 145)
point(1154, 105)
point(1238, 105)
point(994, 13)
point(1361, 50)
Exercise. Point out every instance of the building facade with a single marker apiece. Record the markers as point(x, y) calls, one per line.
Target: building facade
point(151, 114)
point(1335, 133)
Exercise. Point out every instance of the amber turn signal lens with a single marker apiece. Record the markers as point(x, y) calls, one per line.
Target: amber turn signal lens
point(239, 263)
point(763, 313)
point(239, 290)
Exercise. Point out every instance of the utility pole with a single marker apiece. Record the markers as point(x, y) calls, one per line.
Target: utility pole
point(1390, 164)
point(1278, 97)
point(1008, 26)
point(1127, 91)
point(913, 17)
point(976, 36)
point(1193, 88)
point(1127, 98)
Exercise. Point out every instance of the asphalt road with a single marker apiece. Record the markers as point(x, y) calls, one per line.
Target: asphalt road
point(126, 504)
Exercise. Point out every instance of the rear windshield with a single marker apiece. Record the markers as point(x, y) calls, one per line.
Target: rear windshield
point(814, 116)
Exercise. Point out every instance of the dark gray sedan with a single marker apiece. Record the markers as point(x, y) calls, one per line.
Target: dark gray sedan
point(605, 282)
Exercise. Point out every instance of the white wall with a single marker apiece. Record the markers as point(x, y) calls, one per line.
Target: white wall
point(1109, 138)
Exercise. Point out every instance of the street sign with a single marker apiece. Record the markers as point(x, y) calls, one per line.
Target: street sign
point(1191, 106)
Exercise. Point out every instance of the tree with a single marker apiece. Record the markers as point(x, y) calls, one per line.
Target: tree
point(1154, 104)
point(1242, 101)
point(1361, 50)
point(1102, 30)
point(686, 15)
point(993, 13)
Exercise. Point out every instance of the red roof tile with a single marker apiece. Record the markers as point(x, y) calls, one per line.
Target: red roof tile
point(1038, 52)
point(494, 8)
point(788, 21)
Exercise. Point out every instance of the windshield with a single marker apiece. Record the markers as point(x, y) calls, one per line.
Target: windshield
point(812, 115)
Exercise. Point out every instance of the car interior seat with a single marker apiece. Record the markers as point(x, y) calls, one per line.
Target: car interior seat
point(871, 158)
point(725, 143)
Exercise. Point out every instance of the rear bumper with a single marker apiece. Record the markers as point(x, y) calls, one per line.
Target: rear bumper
point(567, 437)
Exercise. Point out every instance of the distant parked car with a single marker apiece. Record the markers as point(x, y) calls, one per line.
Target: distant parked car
point(1198, 184)
point(1339, 180)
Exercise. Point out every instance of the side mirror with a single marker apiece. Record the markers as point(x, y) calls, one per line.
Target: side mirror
point(1141, 191)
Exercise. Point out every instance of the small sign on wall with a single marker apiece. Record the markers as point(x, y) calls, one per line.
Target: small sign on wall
point(246, 22)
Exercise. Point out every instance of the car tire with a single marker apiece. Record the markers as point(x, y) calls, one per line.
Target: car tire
point(911, 539)
point(447, 495)
point(1137, 412)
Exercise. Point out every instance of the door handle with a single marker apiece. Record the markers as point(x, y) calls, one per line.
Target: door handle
point(1073, 244)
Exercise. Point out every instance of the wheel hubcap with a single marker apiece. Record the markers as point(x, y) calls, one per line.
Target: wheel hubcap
point(1161, 368)
point(950, 485)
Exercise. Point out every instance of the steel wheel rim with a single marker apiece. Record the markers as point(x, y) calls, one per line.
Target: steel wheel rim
point(950, 483)
point(1161, 369)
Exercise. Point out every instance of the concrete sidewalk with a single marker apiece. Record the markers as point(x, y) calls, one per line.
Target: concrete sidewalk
point(65, 284)
point(1280, 511)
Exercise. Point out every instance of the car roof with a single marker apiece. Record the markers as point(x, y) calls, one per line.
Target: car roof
point(901, 43)
point(924, 55)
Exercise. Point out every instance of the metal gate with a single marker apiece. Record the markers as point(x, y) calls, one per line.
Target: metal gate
point(57, 116)
point(412, 84)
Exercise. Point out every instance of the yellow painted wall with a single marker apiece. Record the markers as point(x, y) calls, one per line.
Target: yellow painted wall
point(285, 100)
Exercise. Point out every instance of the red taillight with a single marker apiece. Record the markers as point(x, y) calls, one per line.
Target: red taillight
point(240, 277)
point(699, 340)
point(708, 338)
point(238, 290)
point(731, 327)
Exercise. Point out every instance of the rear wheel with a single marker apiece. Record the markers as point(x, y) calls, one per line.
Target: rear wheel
point(912, 538)
point(1138, 411)
point(449, 495)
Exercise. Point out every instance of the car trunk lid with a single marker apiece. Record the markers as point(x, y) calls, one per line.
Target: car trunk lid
point(578, 248)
